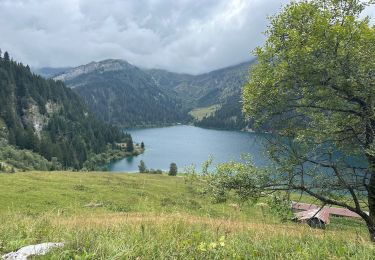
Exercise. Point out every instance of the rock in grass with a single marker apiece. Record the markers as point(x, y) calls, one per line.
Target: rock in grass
point(32, 250)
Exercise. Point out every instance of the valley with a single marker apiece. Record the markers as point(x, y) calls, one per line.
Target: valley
point(187, 129)
point(128, 96)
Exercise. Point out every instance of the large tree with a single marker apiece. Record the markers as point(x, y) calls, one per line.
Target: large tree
point(314, 84)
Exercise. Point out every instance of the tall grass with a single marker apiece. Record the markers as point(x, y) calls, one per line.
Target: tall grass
point(155, 217)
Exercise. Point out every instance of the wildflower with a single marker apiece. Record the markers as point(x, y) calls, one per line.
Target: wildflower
point(222, 241)
point(213, 245)
point(202, 247)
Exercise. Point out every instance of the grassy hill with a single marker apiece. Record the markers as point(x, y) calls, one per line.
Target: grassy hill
point(138, 216)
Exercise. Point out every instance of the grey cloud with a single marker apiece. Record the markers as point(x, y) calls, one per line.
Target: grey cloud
point(192, 36)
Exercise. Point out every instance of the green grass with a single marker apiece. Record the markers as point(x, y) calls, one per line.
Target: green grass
point(201, 112)
point(140, 216)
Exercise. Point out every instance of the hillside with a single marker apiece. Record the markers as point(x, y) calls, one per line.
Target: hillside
point(227, 116)
point(48, 118)
point(120, 93)
point(219, 89)
point(204, 89)
point(140, 216)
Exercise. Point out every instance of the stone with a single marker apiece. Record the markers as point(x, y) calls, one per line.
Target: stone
point(31, 250)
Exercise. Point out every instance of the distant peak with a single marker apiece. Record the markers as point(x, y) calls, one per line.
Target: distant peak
point(102, 66)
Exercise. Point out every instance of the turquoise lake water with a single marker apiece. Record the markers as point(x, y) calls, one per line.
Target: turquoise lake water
point(187, 145)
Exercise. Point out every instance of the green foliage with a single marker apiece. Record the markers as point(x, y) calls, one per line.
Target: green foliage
point(153, 171)
point(99, 162)
point(172, 169)
point(12, 159)
point(280, 205)
point(244, 179)
point(315, 81)
point(48, 118)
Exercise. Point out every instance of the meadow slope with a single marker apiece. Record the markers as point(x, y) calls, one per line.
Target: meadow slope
point(139, 216)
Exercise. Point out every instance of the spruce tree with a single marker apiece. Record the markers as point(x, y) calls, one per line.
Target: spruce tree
point(172, 169)
point(129, 145)
point(6, 56)
point(142, 167)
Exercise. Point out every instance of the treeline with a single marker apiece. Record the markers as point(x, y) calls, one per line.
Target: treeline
point(143, 169)
point(48, 118)
point(229, 116)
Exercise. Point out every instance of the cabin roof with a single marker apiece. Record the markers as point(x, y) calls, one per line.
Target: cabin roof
point(331, 210)
point(321, 214)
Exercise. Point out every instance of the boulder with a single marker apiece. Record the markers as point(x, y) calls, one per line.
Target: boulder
point(27, 251)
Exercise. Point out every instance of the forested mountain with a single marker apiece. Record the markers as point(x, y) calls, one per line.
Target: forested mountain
point(204, 89)
point(123, 94)
point(48, 118)
point(220, 87)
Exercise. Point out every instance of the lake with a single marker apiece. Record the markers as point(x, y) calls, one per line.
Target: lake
point(187, 145)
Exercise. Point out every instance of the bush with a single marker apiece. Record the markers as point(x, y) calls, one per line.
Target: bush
point(152, 171)
point(14, 159)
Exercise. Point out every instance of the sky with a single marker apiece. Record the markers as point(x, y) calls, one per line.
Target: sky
point(187, 36)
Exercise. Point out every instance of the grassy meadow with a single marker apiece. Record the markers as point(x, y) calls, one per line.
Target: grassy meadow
point(201, 112)
point(141, 216)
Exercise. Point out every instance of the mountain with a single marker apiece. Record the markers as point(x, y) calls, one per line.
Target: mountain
point(48, 118)
point(48, 72)
point(123, 94)
point(219, 89)
point(120, 93)
point(204, 89)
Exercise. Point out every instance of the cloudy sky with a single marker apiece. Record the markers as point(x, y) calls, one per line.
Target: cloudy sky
point(192, 36)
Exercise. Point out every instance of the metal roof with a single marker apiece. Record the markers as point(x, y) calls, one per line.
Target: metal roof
point(342, 212)
point(321, 214)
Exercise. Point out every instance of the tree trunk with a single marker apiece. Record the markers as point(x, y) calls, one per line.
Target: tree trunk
point(371, 199)
point(371, 230)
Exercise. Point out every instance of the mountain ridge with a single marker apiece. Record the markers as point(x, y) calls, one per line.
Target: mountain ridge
point(103, 84)
point(123, 94)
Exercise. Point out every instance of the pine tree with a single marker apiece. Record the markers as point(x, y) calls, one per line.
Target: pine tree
point(6, 56)
point(172, 169)
point(129, 145)
point(142, 167)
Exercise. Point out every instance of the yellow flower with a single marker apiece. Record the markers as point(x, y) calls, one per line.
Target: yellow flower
point(202, 247)
point(213, 245)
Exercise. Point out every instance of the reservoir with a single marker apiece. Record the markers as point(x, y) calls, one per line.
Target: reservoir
point(190, 145)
